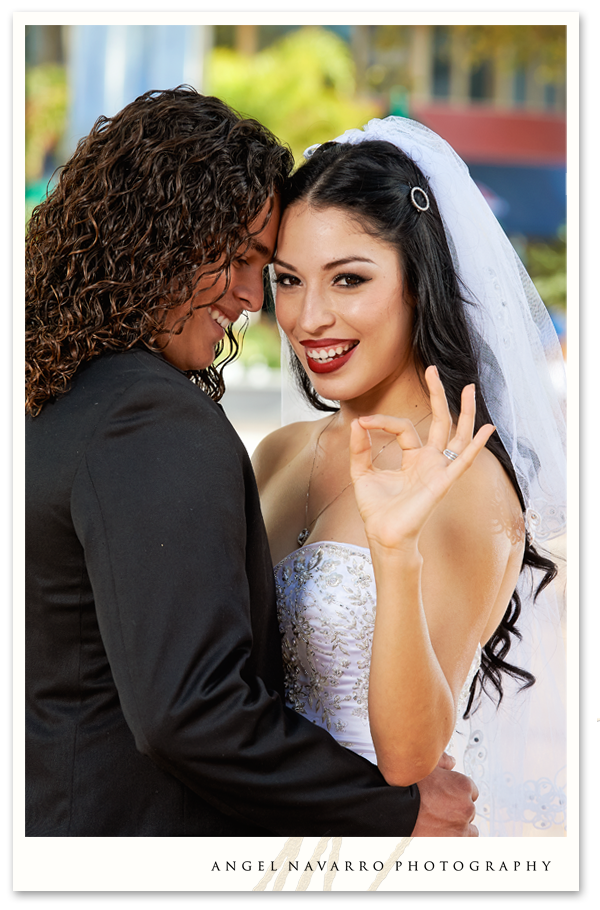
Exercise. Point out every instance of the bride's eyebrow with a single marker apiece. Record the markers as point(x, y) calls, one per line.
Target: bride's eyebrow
point(334, 264)
point(284, 265)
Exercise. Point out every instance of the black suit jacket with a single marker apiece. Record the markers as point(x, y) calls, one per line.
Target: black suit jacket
point(154, 677)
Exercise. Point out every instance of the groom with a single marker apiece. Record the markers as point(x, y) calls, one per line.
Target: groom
point(154, 678)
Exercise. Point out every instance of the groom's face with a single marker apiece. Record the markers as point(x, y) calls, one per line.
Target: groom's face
point(193, 348)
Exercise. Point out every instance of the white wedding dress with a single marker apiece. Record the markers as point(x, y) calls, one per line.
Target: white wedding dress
point(326, 603)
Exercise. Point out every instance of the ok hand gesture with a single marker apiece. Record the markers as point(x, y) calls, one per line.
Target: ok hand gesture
point(395, 504)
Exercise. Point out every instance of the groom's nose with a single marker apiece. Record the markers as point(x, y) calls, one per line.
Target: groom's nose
point(248, 291)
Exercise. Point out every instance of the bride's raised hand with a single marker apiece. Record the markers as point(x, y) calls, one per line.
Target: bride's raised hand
point(395, 504)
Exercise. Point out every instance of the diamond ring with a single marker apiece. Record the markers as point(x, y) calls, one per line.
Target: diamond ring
point(450, 454)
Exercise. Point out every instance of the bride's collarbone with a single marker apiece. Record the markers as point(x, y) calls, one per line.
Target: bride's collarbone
point(329, 512)
point(312, 490)
point(332, 513)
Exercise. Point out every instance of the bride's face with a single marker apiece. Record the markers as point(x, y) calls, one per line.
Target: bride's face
point(341, 302)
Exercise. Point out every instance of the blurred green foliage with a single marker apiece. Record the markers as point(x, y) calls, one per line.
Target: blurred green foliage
point(547, 265)
point(302, 87)
point(262, 344)
point(46, 104)
point(544, 45)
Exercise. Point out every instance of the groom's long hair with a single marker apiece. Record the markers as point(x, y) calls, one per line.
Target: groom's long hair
point(372, 183)
point(151, 199)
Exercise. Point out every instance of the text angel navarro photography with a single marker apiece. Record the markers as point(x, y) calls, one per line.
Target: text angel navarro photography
point(415, 865)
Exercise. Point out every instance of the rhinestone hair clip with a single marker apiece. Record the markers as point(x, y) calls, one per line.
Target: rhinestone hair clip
point(424, 197)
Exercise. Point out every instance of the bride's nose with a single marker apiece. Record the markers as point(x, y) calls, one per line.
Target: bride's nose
point(315, 314)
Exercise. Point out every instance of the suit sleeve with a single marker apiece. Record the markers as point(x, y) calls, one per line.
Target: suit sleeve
point(159, 506)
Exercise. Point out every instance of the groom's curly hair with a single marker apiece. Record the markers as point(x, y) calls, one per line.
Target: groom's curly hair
point(164, 188)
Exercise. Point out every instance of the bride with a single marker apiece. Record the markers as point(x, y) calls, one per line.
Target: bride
point(406, 524)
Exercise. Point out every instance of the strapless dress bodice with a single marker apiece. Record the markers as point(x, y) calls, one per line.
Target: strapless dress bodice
point(326, 604)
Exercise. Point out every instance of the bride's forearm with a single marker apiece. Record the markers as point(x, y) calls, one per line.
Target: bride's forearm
point(411, 706)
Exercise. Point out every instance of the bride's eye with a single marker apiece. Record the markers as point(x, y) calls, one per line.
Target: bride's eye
point(349, 280)
point(286, 281)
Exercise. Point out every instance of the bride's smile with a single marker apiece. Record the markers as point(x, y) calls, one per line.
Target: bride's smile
point(341, 301)
point(328, 354)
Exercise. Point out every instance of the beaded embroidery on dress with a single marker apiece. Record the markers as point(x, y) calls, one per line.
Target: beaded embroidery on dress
point(326, 603)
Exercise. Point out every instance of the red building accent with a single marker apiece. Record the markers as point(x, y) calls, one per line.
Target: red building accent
point(484, 135)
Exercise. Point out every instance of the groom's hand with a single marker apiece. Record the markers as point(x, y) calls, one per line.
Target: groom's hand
point(447, 803)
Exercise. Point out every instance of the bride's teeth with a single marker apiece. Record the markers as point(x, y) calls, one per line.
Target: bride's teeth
point(324, 354)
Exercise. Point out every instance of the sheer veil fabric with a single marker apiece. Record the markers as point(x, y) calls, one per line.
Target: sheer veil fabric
point(516, 753)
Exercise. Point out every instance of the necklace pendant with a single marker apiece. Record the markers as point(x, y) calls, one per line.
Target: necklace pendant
point(303, 537)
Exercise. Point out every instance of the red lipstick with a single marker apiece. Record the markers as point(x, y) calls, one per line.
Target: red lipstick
point(329, 366)
point(326, 343)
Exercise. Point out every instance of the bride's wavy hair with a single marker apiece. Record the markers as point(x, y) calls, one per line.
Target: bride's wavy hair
point(152, 199)
point(372, 182)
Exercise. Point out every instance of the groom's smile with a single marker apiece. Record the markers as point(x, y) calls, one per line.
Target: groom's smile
point(193, 342)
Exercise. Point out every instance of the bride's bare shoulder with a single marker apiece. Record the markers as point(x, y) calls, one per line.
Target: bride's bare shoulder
point(281, 447)
point(483, 506)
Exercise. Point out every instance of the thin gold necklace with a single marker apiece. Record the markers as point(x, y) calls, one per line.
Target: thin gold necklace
point(305, 532)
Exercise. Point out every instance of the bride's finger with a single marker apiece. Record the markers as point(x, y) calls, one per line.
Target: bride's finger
point(400, 427)
point(441, 422)
point(466, 420)
point(466, 458)
point(360, 450)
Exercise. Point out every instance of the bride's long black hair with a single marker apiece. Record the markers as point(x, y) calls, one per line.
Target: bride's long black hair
point(372, 182)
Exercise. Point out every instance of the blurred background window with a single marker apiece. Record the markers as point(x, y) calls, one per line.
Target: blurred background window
point(441, 61)
point(520, 86)
point(481, 82)
point(549, 95)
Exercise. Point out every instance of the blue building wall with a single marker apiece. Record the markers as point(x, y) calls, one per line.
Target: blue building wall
point(111, 65)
